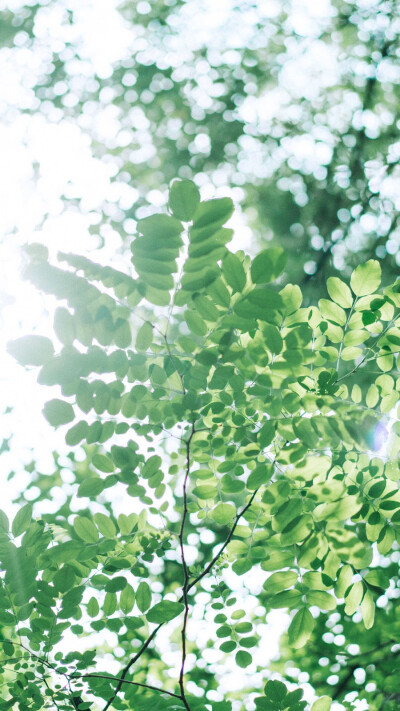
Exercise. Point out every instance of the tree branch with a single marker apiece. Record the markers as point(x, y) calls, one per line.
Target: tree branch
point(182, 599)
point(224, 545)
point(126, 681)
point(185, 571)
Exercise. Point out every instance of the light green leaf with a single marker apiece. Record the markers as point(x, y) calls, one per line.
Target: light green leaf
point(91, 486)
point(268, 265)
point(232, 269)
point(22, 520)
point(143, 596)
point(161, 227)
point(126, 523)
point(105, 525)
point(266, 434)
point(273, 338)
point(85, 529)
point(195, 323)
point(280, 581)
point(110, 604)
point(151, 466)
point(31, 350)
point(297, 530)
point(353, 598)
point(184, 197)
point(324, 703)
point(164, 611)
point(368, 610)
point(205, 491)
point(58, 412)
point(64, 326)
point(366, 278)
point(223, 513)
point(300, 628)
point(291, 298)
point(93, 607)
point(4, 522)
point(339, 292)
point(127, 599)
point(77, 433)
point(332, 312)
point(103, 463)
point(321, 599)
point(215, 212)
point(144, 337)
point(286, 598)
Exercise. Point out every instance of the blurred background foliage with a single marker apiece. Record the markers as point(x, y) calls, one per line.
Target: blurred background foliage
point(294, 105)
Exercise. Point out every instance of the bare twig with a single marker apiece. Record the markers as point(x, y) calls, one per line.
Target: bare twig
point(185, 587)
point(126, 681)
point(224, 545)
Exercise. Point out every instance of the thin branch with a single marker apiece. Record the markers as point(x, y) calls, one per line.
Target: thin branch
point(185, 571)
point(130, 664)
point(189, 587)
point(126, 681)
point(224, 545)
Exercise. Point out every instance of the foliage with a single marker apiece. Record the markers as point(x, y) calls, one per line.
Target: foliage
point(296, 110)
point(248, 433)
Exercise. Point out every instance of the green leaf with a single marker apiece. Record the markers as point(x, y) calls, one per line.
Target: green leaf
point(103, 463)
point(22, 520)
point(195, 323)
point(332, 312)
point(58, 412)
point(151, 466)
point(105, 525)
point(184, 197)
point(300, 628)
point(4, 522)
point(64, 326)
point(268, 265)
point(93, 607)
point(273, 338)
point(232, 269)
point(280, 581)
point(266, 434)
point(144, 337)
point(216, 212)
point(324, 703)
point(243, 659)
point(366, 278)
point(160, 227)
point(77, 433)
point(205, 491)
point(223, 514)
point(91, 487)
point(339, 292)
point(275, 690)
point(127, 599)
point(368, 610)
point(164, 611)
point(143, 596)
point(85, 529)
point(321, 599)
point(31, 350)
point(353, 597)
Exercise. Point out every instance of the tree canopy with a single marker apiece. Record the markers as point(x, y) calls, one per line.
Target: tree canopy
point(229, 402)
